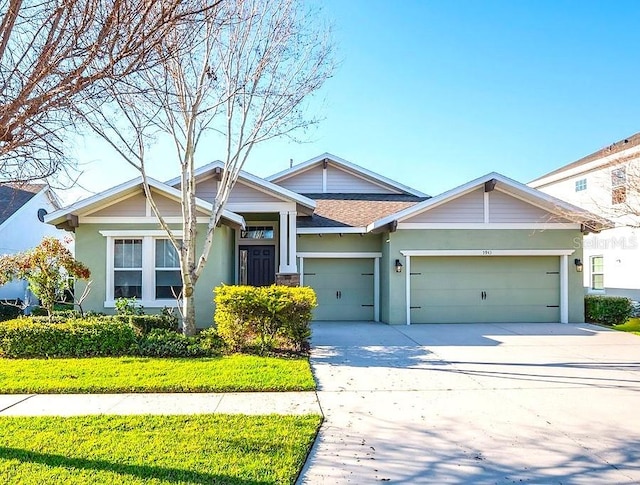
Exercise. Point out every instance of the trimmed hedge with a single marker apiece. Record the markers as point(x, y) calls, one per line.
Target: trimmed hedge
point(9, 312)
point(24, 337)
point(608, 310)
point(144, 324)
point(267, 317)
point(166, 343)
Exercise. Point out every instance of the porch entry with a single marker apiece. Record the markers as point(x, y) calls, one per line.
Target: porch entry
point(257, 265)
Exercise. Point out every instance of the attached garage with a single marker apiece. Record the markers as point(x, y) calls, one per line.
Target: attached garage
point(346, 286)
point(485, 289)
point(468, 286)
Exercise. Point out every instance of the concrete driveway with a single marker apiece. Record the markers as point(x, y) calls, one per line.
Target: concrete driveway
point(481, 403)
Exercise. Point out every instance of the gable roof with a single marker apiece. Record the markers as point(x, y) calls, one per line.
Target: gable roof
point(584, 163)
point(253, 180)
point(128, 188)
point(349, 167)
point(13, 197)
point(508, 186)
point(354, 210)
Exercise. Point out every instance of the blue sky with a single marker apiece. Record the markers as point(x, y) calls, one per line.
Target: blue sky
point(435, 93)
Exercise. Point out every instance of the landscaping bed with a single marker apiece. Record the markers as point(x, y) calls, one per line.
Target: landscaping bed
point(135, 374)
point(199, 449)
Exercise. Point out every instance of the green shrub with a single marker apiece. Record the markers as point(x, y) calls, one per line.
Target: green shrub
point(268, 317)
point(10, 311)
point(24, 337)
point(166, 343)
point(143, 324)
point(608, 310)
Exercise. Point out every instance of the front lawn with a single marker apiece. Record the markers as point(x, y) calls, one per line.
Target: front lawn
point(134, 374)
point(632, 326)
point(198, 449)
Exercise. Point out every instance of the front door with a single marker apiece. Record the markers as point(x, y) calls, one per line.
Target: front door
point(257, 265)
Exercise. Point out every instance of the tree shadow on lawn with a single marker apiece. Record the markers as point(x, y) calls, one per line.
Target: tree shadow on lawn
point(171, 475)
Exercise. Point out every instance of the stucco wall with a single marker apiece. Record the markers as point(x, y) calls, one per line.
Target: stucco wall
point(479, 239)
point(91, 249)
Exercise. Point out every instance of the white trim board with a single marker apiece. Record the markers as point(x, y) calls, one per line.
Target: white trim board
point(489, 225)
point(487, 252)
point(332, 230)
point(139, 233)
point(317, 255)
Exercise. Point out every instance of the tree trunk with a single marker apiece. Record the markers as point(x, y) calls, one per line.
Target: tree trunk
point(189, 312)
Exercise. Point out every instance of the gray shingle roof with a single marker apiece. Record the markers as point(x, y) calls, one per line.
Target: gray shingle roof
point(12, 198)
point(355, 210)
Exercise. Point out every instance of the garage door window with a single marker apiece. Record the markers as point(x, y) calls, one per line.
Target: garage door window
point(597, 273)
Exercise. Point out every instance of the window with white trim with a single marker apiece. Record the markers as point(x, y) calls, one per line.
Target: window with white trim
point(597, 273)
point(144, 267)
point(167, 270)
point(581, 185)
point(127, 268)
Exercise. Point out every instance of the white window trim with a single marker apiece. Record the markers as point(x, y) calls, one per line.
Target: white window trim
point(148, 267)
point(590, 288)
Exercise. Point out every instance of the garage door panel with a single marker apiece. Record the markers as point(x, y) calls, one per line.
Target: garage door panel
point(515, 289)
point(344, 288)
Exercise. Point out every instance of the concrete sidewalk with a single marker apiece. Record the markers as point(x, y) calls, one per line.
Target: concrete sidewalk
point(174, 403)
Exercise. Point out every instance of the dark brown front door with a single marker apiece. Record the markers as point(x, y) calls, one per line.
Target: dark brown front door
point(259, 267)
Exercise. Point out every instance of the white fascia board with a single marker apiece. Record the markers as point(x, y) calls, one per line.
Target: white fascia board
point(301, 167)
point(18, 213)
point(541, 226)
point(138, 233)
point(586, 167)
point(338, 255)
point(259, 183)
point(331, 230)
point(487, 252)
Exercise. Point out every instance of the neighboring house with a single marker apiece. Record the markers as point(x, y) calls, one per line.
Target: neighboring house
point(22, 226)
point(606, 183)
point(492, 250)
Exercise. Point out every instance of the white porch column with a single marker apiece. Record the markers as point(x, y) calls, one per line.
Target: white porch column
point(284, 241)
point(293, 239)
point(407, 276)
point(376, 289)
point(564, 289)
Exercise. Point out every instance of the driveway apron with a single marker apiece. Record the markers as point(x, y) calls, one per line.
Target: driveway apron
point(476, 404)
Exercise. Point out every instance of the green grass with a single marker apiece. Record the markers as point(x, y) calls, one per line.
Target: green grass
point(632, 326)
point(197, 449)
point(132, 374)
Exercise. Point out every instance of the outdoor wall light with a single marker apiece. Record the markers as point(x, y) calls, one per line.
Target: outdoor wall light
point(398, 266)
point(578, 264)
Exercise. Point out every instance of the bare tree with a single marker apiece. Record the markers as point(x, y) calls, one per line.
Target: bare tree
point(56, 54)
point(251, 66)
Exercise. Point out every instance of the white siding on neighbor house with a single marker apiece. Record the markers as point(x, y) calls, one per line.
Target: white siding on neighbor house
point(24, 231)
point(134, 206)
point(307, 182)
point(242, 193)
point(466, 208)
point(341, 181)
point(505, 208)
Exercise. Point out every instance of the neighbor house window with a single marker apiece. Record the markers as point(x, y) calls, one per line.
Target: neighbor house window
point(597, 273)
point(127, 268)
point(581, 185)
point(619, 185)
point(167, 270)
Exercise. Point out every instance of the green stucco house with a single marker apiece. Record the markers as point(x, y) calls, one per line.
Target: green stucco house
point(492, 250)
